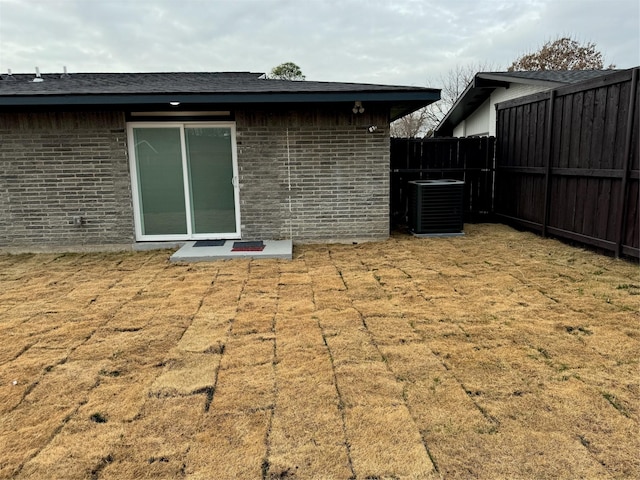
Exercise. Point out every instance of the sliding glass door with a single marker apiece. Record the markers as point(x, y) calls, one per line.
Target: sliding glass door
point(184, 181)
point(210, 166)
point(160, 181)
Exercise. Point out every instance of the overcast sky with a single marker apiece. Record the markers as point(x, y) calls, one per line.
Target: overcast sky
point(402, 42)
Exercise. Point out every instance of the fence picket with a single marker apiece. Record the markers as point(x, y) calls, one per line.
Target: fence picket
point(590, 189)
point(564, 163)
point(468, 159)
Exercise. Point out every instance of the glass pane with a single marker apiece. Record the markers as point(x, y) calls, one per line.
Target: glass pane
point(160, 181)
point(211, 172)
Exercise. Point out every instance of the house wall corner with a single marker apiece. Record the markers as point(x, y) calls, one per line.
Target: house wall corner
point(64, 180)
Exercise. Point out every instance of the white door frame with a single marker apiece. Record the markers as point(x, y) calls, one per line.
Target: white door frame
point(137, 214)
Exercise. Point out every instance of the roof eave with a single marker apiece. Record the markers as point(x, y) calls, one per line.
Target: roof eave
point(423, 97)
point(445, 127)
point(476, 93)
point(501, 79)
point(401, 109)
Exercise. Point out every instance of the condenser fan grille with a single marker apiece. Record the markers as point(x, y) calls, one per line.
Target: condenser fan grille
point(436, 206)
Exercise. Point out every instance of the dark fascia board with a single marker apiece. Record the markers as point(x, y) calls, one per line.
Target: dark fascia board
point(479, 82)
point(459, 109)
point(497, 79)
point(420, 98)
point(400, 109)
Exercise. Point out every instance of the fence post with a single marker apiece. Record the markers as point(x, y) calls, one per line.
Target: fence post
point(548, 154)
point(622, 215)
point(490, 172)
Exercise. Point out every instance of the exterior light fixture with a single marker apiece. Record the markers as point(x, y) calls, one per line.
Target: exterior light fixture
point(357, 107)
point(174, 104)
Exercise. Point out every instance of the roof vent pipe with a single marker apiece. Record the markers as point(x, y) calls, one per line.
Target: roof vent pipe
point(8, 76)
point(64, 72)
point(38, 77)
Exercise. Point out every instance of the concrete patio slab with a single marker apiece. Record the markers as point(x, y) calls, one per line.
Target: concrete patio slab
point(272, 249)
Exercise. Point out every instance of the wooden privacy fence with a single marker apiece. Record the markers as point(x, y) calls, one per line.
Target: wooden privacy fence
point(567, 162)
point(468, 159)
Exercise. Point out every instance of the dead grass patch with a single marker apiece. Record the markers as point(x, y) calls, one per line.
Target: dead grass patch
point(244, 389)
point(187, 373)
point(373, 430)
point(229, 446)
point(307, 439)
point(494, 355)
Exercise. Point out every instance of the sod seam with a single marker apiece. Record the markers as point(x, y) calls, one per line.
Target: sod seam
point(341, 405)
point(59, 428)
point(484, 413)
point(265, 467)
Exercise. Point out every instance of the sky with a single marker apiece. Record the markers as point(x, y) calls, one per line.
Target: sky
point(400, 42)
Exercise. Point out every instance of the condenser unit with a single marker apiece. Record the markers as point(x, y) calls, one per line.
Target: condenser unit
point(436, 207)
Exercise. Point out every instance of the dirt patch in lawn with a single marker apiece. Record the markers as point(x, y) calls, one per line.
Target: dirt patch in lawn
point(494, 355)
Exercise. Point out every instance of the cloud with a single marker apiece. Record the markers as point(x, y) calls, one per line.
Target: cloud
point(395, 42)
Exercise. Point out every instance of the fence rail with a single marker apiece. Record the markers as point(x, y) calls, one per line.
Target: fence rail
point(468, 159)
point(568, 163)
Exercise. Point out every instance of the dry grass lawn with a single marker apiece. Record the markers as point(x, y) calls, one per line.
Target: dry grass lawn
point(494, 355)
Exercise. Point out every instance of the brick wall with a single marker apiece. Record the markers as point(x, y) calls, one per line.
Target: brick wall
point(55, 166)
point(338, 171)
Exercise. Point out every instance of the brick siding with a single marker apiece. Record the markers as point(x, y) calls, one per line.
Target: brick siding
point(60, 165)
point(56, 166)
point(339, 175)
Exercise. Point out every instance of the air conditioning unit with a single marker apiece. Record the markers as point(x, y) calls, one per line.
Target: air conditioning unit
point(436, 207)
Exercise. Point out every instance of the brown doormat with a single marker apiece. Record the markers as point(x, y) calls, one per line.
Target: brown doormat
point(248, 246)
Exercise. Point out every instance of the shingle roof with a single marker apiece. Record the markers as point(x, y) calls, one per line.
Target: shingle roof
point(559, 76)
point(92, 89)
point(172, 82)
point(483, 83)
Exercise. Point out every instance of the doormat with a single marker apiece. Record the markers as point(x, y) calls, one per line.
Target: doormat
point(209, 243)
point(248, 246)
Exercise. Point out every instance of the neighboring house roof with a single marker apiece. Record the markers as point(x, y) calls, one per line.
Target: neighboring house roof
point(484, 83)
point(221, 88)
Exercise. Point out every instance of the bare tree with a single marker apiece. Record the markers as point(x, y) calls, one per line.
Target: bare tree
point(412, 125)
point(563, 53)
point(422, 122)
